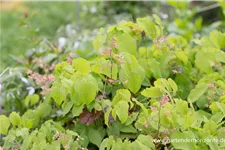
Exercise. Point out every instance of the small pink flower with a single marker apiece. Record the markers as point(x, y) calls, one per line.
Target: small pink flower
point(51, 77)
point(164, 100)
point(162, 39)
point(72, 54)
point(29, 72)
point(43, 93)
point(153, 108)
point(122, 62)
point(114, 38)
point(155, 41)
point(146, 124)
point(52, 67)
point(25, 14)
point(105, 52)
point(36, 59)
point(114, 44)
point(211, 85)
point(165, 140)
point(119, 56)
point(69, 60)
point(125, 82)
point(166, 113)
point(158, 46)
point(111, 81)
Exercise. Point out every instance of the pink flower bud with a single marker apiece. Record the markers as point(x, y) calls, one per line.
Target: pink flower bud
point(211, 85)
point(146, 124)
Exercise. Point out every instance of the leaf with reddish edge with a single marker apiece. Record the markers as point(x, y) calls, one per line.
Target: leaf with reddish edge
point(87, 117)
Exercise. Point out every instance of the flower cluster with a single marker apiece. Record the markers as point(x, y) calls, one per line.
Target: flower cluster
point(70, 58)
point(107, 51)
point(61, 137)
point(114, 43)
point(44, 65)
point(164, 100)
point(159, 41)
point(44, 81)
point(153, 108)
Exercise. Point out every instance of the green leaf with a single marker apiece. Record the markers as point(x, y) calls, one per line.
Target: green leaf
point(122, 95)
point(177, 40)
point(131, 118)
point(197, 92)
point(220, 56)
point(131, 80)
point(85, 90)
point(218, 117)
point(66, 106)
point(159, 24)
point(4, 124)
point(126, 43)
point(145, 142)
point(141, 105)
point(106, 116)
point(31, 100)
point(98, 41)
point(122, 108)
point(128, 129)
point(14, 119)
point(77, 110)
point(43, 110)
point(81, 65)
point(178, 140)
point(173, 85)
point(94, 136)
point(181, 5)
point(182, 56)
point(205, 64)
point(155, 68)
point(182, 106)
point(104, 67)
point(212, 145)
point(221, 106)
point(131, 73)
point(58, 92)
point(104, 144)
point(152, 92)
point(218, 38)
point(148, 26)
point(210, 127)
point(55, 145)
point(205, 42)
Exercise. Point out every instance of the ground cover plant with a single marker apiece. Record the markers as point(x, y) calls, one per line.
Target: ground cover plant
point(142, 85)
point(40, 51)
point(137, 85)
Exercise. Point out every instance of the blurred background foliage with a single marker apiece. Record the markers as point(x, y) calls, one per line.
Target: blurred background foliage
point(52, 31)
point(25, 24)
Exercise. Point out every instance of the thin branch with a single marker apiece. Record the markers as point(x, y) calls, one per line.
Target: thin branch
point(208, 8)
point(4, 71)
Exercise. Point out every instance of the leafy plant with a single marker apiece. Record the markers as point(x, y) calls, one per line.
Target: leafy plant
point(142, 87)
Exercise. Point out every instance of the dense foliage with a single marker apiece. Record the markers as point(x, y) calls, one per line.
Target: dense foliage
point(136, 85)
point(142, 85)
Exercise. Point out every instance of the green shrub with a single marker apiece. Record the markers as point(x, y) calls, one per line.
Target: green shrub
point(142, 87)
